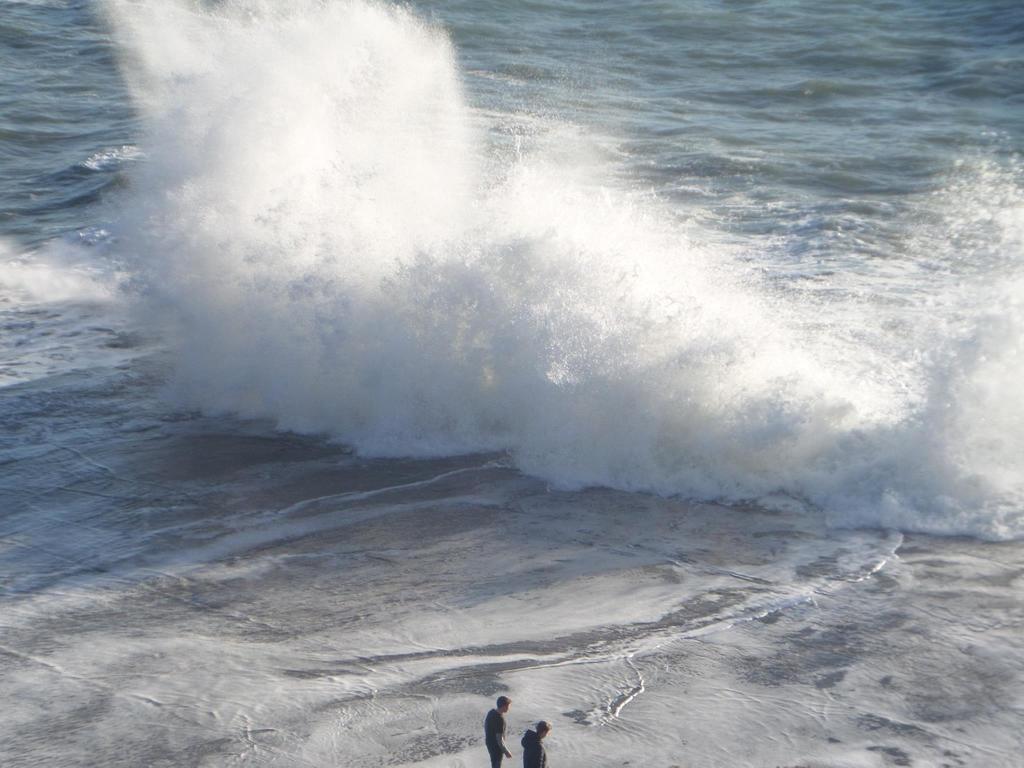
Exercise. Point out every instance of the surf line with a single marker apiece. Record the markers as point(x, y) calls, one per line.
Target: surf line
point(360, 495)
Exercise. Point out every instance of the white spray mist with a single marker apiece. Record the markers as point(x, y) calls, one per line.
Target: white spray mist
point(338, 255)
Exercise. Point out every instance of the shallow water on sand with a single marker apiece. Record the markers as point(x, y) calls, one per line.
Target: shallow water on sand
point(187, 590)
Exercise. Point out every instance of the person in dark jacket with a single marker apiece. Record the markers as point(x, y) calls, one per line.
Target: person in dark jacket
point(534, 755)
point(494, 731)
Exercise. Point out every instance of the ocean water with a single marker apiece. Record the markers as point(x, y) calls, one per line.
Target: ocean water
point(655, 363)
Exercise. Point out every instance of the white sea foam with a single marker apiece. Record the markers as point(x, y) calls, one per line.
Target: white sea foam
point(111, 158)
point(341, 254)
point(57, 273)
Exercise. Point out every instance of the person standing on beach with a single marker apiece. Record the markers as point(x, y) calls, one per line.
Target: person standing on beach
point(534, 755)
point(494, 731)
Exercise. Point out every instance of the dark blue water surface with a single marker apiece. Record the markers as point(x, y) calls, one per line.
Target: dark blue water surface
point(61, 103)
point(761, 111)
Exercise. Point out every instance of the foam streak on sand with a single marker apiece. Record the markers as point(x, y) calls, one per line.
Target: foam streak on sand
point(616, 705)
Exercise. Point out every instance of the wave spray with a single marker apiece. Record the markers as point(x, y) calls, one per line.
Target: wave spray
point(340, 250)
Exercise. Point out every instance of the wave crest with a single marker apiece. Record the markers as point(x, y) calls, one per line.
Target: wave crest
point(341, 253)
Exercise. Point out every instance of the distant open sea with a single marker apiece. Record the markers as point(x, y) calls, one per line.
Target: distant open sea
point(656, 363)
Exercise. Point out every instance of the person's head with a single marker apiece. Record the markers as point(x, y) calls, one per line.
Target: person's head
point(543, 729)
point(503, 703)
